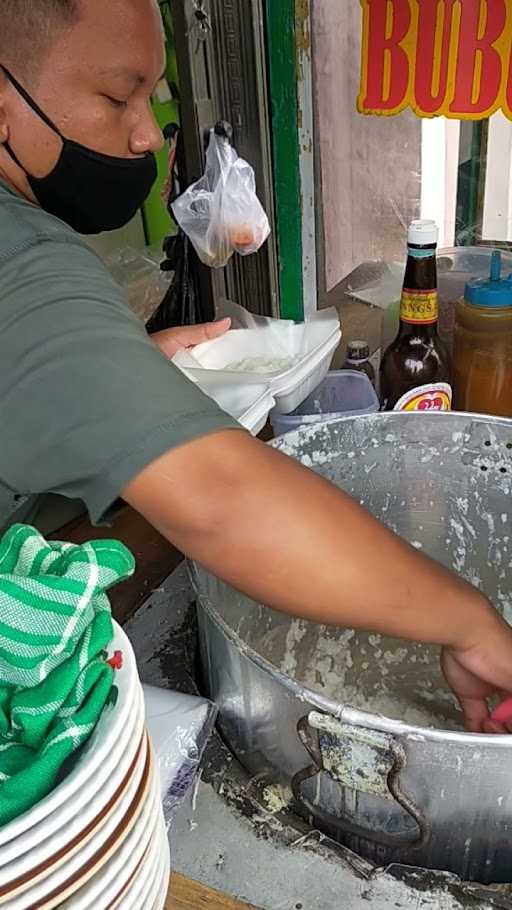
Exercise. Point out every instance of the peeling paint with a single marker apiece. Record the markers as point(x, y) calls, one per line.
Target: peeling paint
point(305, 121)
point(302, 27)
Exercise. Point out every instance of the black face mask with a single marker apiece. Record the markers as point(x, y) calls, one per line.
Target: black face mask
point(90, 191)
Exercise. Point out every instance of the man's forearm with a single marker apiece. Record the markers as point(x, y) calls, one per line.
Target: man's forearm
point(290, 540)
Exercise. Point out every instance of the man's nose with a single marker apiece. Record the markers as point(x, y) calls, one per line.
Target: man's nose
point(146, 135)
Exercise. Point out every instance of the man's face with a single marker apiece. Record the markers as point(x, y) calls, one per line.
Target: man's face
point(95, 84)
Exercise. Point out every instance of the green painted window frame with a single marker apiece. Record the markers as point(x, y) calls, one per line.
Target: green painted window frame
point(282, 58)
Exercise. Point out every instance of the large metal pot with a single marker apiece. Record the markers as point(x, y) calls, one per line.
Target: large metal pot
point(394, 791)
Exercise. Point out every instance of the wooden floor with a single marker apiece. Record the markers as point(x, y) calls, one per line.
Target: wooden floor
point(187, 895)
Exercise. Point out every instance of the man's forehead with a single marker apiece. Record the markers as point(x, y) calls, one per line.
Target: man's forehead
point(126, 33)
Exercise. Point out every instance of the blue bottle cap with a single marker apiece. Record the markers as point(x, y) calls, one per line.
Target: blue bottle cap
point(492, 292)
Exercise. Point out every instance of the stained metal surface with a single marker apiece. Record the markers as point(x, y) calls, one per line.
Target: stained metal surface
point(443, 482)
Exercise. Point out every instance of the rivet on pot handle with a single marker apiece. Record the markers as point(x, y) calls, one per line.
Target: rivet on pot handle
point(360, 759)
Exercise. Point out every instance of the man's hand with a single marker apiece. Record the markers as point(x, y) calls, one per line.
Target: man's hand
point(480, 672)
point(171, 341)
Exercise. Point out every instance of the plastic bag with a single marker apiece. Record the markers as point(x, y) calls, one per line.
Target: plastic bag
point(183, 303)
point(179, 726)
point(140, 275)
point(221, 213)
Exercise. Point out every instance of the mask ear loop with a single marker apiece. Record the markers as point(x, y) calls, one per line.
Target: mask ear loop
point(34, 107)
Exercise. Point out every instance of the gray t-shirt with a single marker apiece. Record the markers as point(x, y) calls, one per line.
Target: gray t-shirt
point(87, 401)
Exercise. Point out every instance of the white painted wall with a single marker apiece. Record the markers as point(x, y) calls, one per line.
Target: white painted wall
point(370, 167)
point(497, 219)
point(440, 140)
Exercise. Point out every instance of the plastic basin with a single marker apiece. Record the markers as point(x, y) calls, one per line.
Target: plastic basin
point(343, 393)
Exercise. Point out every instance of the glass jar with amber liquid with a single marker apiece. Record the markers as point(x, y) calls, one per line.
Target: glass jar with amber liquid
point(482, 356)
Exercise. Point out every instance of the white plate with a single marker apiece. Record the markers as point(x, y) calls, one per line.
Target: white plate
point(133, 897)
point(147, 880)
point(103, 888)
point(154, 887)
point(110, 729)
point(154, 892)
point(87, 846)
point(61, 884)
point(54, 833)
point(161, 901)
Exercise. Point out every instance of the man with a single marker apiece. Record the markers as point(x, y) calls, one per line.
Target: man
point(91, 408)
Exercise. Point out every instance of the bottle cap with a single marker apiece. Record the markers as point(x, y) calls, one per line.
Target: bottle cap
point(494, 291)
point(358, 350)
point(423, 233)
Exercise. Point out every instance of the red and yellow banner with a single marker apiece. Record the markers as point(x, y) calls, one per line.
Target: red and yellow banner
point(450, 57)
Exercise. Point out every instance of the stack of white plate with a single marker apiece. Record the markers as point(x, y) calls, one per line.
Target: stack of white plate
point(99, 840)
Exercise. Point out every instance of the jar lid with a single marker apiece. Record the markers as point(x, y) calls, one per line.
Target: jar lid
point(423, 233)
point(492, 292)
point(358, 350)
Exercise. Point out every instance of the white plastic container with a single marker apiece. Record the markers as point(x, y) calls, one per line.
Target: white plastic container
point(309, 346)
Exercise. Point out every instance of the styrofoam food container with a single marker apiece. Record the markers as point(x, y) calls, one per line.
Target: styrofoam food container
point(112, 728)
point(343, 393)
point(38, 845)
point(290, 391)
point(249, 404)
point(311, 345)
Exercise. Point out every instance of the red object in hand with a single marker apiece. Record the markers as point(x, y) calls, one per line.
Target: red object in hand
point(503, 713)
point(116, 662)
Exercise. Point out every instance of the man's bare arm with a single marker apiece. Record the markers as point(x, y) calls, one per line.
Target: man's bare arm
point(291, 540)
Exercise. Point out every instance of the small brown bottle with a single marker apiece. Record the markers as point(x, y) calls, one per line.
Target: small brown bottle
point(415, 371)
point(358, 358)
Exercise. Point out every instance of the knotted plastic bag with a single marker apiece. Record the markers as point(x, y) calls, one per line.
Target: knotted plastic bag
point(221, 213)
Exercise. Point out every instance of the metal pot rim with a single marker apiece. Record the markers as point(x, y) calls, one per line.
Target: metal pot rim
point(345, 713)
point(394, 417)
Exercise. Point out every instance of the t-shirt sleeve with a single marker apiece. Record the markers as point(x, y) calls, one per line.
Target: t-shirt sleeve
point(87, 400)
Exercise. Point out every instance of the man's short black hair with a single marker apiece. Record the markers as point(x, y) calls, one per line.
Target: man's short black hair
point(27, 28)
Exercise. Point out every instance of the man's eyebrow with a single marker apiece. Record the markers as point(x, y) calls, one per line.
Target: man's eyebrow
point(132, 75)
point(126, 73)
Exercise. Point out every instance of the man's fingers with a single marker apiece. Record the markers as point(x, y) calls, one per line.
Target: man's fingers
point(218, 328)
point(170, 341)
point(192, 335)
point(490, 726)
point(476, 714)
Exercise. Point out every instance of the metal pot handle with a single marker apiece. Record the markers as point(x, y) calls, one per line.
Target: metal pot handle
point(360, 759)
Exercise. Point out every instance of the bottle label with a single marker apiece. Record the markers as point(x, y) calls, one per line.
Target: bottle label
point(419, 307)
point(434, 397)
point(416, 253)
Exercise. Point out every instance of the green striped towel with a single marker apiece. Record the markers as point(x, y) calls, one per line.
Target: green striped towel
point(55, 627)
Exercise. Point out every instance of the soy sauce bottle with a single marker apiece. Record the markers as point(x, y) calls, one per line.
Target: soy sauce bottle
point(358, 358)
point(416, 370)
